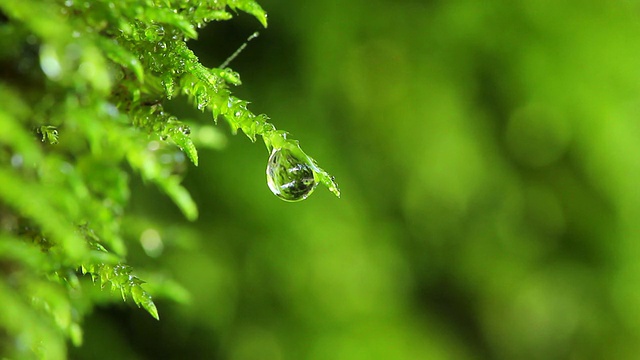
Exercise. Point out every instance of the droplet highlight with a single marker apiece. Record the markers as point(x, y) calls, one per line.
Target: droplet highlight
point(288, 177)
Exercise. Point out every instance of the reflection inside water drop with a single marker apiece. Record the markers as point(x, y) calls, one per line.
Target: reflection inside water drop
point(288, 177)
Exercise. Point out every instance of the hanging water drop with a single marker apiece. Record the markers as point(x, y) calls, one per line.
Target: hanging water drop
point(288, 177)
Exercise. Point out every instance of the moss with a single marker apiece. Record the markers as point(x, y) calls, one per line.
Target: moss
point(82, 85)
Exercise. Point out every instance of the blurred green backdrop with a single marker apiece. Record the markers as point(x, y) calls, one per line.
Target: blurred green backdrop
point(487, 153)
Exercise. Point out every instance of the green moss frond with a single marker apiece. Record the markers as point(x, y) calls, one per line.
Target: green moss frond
point(83, 85)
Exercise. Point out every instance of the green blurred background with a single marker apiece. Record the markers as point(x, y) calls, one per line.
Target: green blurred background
point(487, 153)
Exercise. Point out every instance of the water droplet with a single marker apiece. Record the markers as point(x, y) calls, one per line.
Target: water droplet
point(288, 177)
point(202, 100)
point(169, 86)
point(154, 32)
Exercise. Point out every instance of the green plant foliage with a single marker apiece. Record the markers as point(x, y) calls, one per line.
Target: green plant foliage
point(83, 84)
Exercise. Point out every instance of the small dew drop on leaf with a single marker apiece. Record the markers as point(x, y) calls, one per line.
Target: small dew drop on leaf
point(288, 177)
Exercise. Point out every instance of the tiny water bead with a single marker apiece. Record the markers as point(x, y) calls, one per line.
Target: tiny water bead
point(288, 177)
